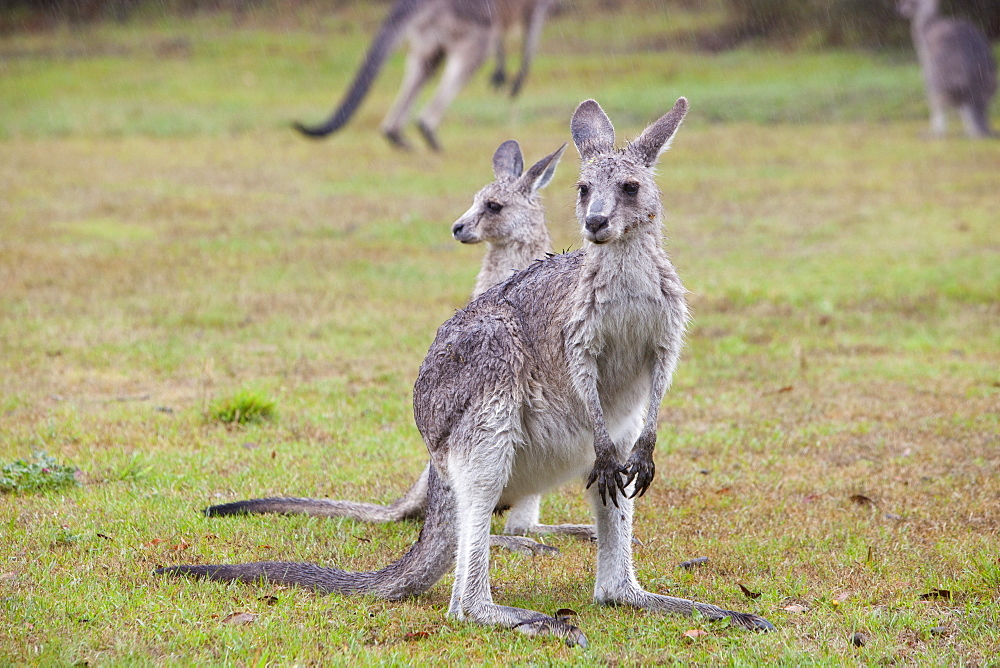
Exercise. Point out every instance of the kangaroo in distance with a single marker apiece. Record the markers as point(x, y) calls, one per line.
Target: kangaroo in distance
point(459, 32)
point(957, 64)
point(509, 217)
point(556, 373)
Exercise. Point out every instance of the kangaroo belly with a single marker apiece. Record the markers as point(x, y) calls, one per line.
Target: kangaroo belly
point(555, 454)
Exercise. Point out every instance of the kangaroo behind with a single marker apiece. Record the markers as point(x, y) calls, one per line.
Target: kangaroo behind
point(957, 64)
point(555, 374)
point(459, 33)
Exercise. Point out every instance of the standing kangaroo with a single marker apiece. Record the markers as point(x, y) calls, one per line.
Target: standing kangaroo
point(552, 374)
point(957, 63)
point(508, 216)
point(460, 32)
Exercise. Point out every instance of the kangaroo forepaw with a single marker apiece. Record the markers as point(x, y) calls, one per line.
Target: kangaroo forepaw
point(608, 476)
point(552, 626)
point(640, 469)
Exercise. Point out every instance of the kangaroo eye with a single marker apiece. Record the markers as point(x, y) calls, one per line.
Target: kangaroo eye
point(584, 189)
point(494, 207)
point(630, 188)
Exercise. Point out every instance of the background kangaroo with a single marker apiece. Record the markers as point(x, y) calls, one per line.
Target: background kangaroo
point(551, 375)
point(509, 217)
point(957, 64)
point(461, 33)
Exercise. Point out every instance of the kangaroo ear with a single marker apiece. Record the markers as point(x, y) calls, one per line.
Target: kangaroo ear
point(592, 130)
point(540, 173)
point(507, 161)
point(656, 139)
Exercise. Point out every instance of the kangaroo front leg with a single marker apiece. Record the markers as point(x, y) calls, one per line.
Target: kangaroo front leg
point(639, 469)
point(607, 472)
point(616, 583)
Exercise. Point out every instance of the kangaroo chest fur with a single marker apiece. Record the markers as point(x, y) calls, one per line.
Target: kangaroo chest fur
point(511, 365)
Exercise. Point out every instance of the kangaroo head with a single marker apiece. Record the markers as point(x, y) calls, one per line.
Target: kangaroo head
point(910, 9)
point(617, 192)
point(508, 210)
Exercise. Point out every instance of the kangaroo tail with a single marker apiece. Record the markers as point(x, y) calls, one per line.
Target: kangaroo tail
point(411, 505)
point(383, 44)
point(415, 572)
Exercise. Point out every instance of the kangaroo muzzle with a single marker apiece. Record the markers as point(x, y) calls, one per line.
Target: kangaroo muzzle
point(464, 233)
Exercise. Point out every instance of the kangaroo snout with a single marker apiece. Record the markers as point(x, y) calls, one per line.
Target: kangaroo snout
point(595, 224)
point(462, 233)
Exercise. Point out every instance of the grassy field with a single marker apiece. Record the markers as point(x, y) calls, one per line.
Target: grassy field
point(166, 241)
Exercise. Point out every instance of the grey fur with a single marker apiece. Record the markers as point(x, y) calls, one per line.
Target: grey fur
point(459, 33)
point(957, 64)
point(515, 236)
point(557, 372)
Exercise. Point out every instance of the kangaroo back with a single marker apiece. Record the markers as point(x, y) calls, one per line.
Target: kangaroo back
point(385, 41)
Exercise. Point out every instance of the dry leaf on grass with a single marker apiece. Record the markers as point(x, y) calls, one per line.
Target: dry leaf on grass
point(841, 597)
point(862, 500)
point(695, 633)
point(563, 614)
point(240, 618)
point(748, 593)
point(936, 594)
point(795, 608)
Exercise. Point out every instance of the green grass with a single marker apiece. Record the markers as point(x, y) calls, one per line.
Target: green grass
point(42, 473)
point(244, 407)
point(166, 240)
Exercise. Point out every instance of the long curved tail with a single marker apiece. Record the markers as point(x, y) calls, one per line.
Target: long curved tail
point(411, 505)
point(383, 44)
point(415, 572)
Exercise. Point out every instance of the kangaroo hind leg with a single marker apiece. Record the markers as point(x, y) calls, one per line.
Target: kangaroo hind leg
point(420, 66)
point(464, 59)
point(616, 583)
point(975, 117)
point(477, 480)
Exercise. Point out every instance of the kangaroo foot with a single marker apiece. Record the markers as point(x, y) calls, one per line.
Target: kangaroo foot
point(522, 545)
point(429, 136)
point(396, 138)
point(518, 84)
point(499, 78)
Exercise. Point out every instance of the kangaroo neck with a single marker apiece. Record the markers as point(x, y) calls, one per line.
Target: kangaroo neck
point(503, 260)
point(925, 17)
point(628, 263)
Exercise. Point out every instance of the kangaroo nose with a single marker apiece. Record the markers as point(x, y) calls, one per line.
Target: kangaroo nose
point(456, 229)
point(596, 223)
